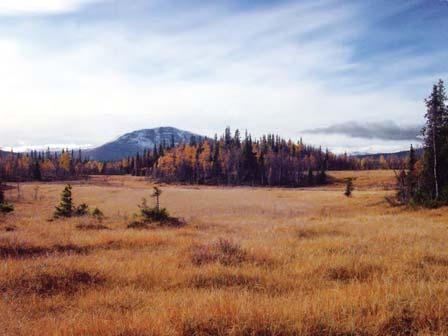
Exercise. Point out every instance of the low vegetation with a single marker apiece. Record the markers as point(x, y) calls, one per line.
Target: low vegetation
point(263, 262)
point(349, 187)
point(5, 207)
point(66, 208)
point(156, 214)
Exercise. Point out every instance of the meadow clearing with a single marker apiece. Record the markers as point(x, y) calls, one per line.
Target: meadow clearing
point(250, 261)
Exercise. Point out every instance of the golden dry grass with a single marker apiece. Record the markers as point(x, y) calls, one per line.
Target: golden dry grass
point(251, 261)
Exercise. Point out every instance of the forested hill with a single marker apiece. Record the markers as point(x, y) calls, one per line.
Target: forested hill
point(400, 155)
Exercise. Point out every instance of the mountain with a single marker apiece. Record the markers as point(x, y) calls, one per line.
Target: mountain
point(3, 153)
point(137, 141)
point(402, 154)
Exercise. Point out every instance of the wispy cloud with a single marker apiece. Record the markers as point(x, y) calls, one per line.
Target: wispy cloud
point(385, 130)
point(20, 7)
point(107, 67)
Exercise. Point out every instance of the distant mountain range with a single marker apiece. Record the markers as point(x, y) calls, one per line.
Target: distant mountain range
point(135, 142)
point(402, 154)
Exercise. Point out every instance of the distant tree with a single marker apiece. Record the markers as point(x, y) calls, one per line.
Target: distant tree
point(310, 177)
point(349, 187)
point(156, 194)
point(37, 175)
point(2, 195)
point(97, 214)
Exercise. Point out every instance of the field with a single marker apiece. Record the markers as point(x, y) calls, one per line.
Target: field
point(250, 261)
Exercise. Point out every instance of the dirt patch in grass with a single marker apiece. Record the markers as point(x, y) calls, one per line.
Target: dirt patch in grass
point(14, 250)
point(313, 233)
point(223, 251)
point(355, 272)
point(224, 280)
point(65, 282)
point(138, 225)
point(168, 222)
point(436, 260)
point(347, 250)
point(89, 227)
point(402, 323)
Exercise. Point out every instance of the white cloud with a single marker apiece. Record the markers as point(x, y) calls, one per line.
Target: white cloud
point(282, 70)
point(15, 7)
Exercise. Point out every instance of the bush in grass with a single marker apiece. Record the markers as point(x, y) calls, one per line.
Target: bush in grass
point(81, 210)
point(5, 207)
point(154, 214)
point(97, 214)
point(349, 187)
point(66, 208)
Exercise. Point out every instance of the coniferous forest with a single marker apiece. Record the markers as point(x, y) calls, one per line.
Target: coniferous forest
point(425, 180)
point(228, 160)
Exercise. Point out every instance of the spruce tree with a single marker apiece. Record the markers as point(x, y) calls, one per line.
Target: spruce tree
point(348, 187)
point(156, 194)
point(2, 195)
point(65, 207)
point(36, 171)
point(435, 137)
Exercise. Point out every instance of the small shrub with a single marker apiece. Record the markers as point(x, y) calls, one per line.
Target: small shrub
point(154, 214)
point(349, 187)
point(157, 214)
point(6, 208)
point(81, 210)
point(66, 208)
point(97, 214)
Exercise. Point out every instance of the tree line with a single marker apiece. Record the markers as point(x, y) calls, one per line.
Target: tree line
point(229, 160)
point(425, 181)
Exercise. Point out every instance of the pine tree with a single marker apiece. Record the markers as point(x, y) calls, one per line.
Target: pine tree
point(156, 194)
point(36, 171)
point(65, 207)
point(435, 136)
point(2, 195)
point(348, 187)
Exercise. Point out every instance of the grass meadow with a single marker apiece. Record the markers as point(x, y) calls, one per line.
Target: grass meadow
point(250, 261)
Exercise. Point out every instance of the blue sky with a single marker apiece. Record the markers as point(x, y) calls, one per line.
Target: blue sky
point(78, 72)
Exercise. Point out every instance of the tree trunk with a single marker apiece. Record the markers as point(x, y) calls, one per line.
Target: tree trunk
point(436, 183)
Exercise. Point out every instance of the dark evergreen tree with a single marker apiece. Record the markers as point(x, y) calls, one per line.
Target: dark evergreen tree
point(2, 195)
point(435, 137)
point(37, 175)
point(65, 207)
point(349, 187)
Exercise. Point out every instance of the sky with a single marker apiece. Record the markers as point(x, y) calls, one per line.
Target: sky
point(349, 75)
